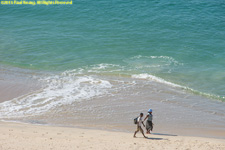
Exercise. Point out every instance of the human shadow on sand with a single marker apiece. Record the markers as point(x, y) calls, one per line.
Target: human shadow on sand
point(163, 134)
point(149, 138)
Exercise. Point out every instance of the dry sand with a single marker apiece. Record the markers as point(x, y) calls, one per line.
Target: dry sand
point(15, 136)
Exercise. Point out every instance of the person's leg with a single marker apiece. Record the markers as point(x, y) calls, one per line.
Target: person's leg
point(147, 127)
point(142, 132)
point(136, 131)
point(151, 126)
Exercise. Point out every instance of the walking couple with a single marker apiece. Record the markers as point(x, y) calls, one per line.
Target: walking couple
point(140, 122)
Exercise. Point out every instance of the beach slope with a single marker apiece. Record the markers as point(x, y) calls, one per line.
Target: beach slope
point(16, 136)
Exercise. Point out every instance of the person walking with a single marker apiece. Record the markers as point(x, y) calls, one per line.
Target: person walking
point(149, 124)
point(139, 124)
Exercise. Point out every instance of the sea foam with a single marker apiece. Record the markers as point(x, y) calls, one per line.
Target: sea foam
point(58, 90)
point(154, 78)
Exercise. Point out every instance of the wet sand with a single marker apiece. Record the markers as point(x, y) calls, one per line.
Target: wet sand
point(14, 84)
point(10, 91)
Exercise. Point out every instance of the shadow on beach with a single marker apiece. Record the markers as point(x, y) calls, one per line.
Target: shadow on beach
point(163, 134)
point(149, 138)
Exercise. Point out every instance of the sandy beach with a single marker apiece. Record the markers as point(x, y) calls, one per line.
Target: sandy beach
point(15, 136)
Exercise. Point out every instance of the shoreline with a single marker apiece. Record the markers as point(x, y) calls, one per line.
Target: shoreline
point(185, 116)
point(26, 136)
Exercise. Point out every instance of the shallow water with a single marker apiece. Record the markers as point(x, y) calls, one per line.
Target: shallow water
point(181, 42)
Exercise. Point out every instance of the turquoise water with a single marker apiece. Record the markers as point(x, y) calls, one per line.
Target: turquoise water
point(181, 42)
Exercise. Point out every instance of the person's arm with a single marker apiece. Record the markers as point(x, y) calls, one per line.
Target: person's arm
point(143, 123)
point(146, 117)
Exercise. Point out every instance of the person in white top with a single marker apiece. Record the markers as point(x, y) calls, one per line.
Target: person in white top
point(139, 123)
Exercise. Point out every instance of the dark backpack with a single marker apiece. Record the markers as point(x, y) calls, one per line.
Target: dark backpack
point(135, 120)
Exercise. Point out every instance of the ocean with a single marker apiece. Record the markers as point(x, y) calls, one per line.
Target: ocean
point(90, 51)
